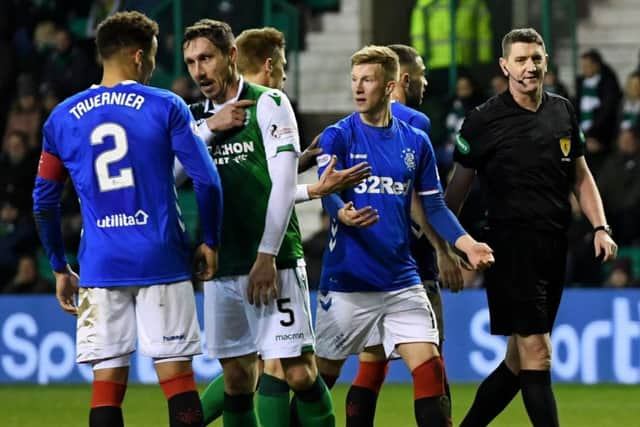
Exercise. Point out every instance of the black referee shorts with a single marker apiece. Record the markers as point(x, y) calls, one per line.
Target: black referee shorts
point(524, 286)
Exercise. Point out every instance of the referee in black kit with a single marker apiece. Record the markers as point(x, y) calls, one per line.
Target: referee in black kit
point(526, 147)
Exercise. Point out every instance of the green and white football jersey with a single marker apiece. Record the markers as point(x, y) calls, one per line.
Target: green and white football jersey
point(241, 158)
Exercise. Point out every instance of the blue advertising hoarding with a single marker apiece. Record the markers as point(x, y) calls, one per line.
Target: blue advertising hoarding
point(596, 339)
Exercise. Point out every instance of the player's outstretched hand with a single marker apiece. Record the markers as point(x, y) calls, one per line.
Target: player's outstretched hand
point(206, 262)
point(308, 156)
point(479, 255)
point(333, 181)
point(449, 270)
point(604, 244)
point(263, 286)
point(231, 116)
point(66, 290)
point(348, 215)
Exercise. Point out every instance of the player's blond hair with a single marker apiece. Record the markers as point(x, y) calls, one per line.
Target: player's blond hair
point(382, 55)
point(256, 45)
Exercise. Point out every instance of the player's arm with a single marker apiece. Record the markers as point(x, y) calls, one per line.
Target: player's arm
point(334, 151)
point(46, 211)
point(333, 181)
point(448, 262)
point(440, 217)
point(230, 116)
point(279, 132)
point(192, 153)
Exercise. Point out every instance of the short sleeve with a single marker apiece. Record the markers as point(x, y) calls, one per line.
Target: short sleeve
point(470, 141)
point(577, 136)
point(277, 123)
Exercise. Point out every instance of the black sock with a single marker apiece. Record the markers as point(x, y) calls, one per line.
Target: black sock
point(447, 392)
point(538, 398)
point(493, 395)
point(432, 411)
point(106, 416)
point(361, 406)
point(185, 410)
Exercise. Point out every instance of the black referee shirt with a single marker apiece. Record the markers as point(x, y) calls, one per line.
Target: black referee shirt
point(525, 160)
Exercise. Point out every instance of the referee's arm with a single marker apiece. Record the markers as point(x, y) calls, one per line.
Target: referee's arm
point(588, 196)
point(458, 188)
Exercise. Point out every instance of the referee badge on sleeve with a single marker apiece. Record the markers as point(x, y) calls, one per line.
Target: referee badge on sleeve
point(462, 144)
point(565, 146)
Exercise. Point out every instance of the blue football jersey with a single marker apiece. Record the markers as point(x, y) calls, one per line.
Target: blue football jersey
point(377, 258)
point(421, 249)
point(118, 145)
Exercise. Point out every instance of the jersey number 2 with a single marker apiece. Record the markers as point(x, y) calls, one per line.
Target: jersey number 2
point(124, 177)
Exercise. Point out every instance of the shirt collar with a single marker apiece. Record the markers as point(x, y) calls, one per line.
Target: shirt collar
point(211, 107)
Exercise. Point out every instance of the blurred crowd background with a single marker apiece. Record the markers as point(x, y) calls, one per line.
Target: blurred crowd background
point(47, 54)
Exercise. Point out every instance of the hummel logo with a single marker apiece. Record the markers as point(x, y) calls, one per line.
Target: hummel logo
point(326, 305)
point(276, 98)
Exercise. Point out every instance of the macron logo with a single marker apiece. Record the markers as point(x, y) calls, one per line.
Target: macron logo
point(123, 220)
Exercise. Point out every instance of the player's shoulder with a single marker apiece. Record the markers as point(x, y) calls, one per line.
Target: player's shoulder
point(199, 109)
point(406, 113)
point(266, 96)
point(412, 132)
point(159, 95)
point(67, 104)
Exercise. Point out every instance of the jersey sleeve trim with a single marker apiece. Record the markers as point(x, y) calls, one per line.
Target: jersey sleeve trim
point(428, 192)
point(288, 147)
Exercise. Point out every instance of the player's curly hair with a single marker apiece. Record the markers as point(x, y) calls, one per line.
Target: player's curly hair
point(382, 55)
point(256, 45)
point(217, 32)
point(125, 30)
point(521, 35)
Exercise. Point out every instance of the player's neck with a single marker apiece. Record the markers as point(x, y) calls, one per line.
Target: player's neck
point(256, 78)
point(231, 90)
point(530, 100)
point(399, 97)
point(114, 74)
point(380, 117)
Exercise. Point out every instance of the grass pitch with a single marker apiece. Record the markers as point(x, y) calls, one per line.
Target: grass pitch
point(67, 406)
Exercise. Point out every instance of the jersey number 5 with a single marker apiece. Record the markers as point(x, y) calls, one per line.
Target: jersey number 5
point(124, 177)
point(285, 310)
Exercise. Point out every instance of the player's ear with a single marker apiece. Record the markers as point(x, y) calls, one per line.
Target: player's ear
point(233, 54)
point(268, 65)
point(404, 80)
point(391, 84)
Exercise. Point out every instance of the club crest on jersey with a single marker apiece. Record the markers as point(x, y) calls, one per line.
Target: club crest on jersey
point(323, 160)
point(565, 146)
point(409, 157)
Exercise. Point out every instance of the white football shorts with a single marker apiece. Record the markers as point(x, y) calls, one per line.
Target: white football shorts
point(347, 322)
point(282, 329)
point(162, 318)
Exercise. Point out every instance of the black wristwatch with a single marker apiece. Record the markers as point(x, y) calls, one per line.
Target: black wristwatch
point(605, 228)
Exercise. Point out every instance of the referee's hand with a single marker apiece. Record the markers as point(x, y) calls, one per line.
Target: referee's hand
point(605, 246)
